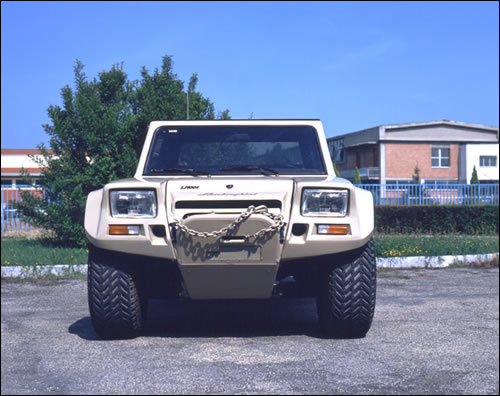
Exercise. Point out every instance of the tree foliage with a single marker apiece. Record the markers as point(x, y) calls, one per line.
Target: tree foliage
point(416, 175)
point(337, 173)
point(357, 178)
point(474, 179)
point(158, 96)
point(96, 137)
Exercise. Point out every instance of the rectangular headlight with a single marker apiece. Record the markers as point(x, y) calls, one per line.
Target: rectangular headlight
point(321, 202)
point(139, 203)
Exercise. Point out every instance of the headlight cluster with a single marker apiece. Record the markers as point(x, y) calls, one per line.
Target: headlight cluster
point(140, 203)
point(322, 202)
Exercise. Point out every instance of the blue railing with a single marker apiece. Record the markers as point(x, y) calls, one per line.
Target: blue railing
point(383, 194)
point(433, 194)
point(12, 219)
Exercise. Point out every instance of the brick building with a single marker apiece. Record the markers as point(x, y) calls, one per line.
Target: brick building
point(444, 151)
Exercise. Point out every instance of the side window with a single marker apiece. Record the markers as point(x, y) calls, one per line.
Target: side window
point(488, 161)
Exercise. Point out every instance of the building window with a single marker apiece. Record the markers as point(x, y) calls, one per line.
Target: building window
point(337, 150)
point(6, 182)
point(398, 184)
point(488, 160)
point(440, 157)
point(441, 181)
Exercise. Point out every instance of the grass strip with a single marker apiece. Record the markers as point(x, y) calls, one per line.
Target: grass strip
point(27, 252)
point(434, 245)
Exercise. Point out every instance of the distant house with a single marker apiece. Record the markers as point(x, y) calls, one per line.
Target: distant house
point(444, 151)
point(13, 160)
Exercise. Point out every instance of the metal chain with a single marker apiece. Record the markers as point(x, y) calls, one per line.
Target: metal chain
point(262, 209)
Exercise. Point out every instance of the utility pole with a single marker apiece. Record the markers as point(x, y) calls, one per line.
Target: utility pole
point(187, 107)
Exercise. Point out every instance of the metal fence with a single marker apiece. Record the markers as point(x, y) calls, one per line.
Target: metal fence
point(383, 194)
point(433, 194)
point(12, 219)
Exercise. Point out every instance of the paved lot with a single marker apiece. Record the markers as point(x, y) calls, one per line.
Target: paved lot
point(435, 332)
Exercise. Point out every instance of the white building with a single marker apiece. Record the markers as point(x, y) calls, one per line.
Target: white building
point(484, 157)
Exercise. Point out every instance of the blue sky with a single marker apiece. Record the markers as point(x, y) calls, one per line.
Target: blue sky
point(353, 65)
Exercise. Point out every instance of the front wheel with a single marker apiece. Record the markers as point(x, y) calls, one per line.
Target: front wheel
point(116, 307)
point(346, 295)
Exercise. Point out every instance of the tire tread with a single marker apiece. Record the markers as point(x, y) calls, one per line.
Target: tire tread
point(114, 302)
point(347, 293)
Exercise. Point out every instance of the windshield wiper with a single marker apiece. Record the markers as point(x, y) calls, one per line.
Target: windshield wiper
point(265, 171)
point(191, 172)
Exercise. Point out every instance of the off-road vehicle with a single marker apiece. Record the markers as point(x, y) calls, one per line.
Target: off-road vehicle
point(231, 210)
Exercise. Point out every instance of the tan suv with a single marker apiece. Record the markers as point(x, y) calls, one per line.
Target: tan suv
point(231, 210)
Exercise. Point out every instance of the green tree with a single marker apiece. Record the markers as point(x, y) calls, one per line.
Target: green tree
point(161, 96)
point(474, 179)
point(91, 141)
point(158, 96)
point(223, 115)
point(200, 108)
point(357, 178)
point(416, 191)
point(416, 175)
point(96, 136)
point(474, 191)
point(337, 173)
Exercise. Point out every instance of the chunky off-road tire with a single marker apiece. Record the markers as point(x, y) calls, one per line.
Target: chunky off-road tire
point(346, 294)
point(116, 308)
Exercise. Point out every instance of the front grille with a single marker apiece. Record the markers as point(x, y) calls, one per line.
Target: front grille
point(236, 204)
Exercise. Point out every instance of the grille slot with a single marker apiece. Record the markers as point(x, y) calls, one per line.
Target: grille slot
point(236, 204)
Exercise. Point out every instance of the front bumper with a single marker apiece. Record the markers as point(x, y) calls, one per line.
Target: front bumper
point(151, 243)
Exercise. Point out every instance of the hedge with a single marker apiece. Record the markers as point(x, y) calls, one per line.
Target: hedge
point(446, 219)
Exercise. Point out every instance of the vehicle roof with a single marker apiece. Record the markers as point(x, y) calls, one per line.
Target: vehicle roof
point(313, 122)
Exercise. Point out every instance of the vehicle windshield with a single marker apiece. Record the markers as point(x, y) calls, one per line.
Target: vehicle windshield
point(224, 150)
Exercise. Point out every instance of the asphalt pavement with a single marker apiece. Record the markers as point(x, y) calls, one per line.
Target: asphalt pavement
point(434, 332)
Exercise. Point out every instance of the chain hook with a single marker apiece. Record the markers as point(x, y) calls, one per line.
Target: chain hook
point(278, 223)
